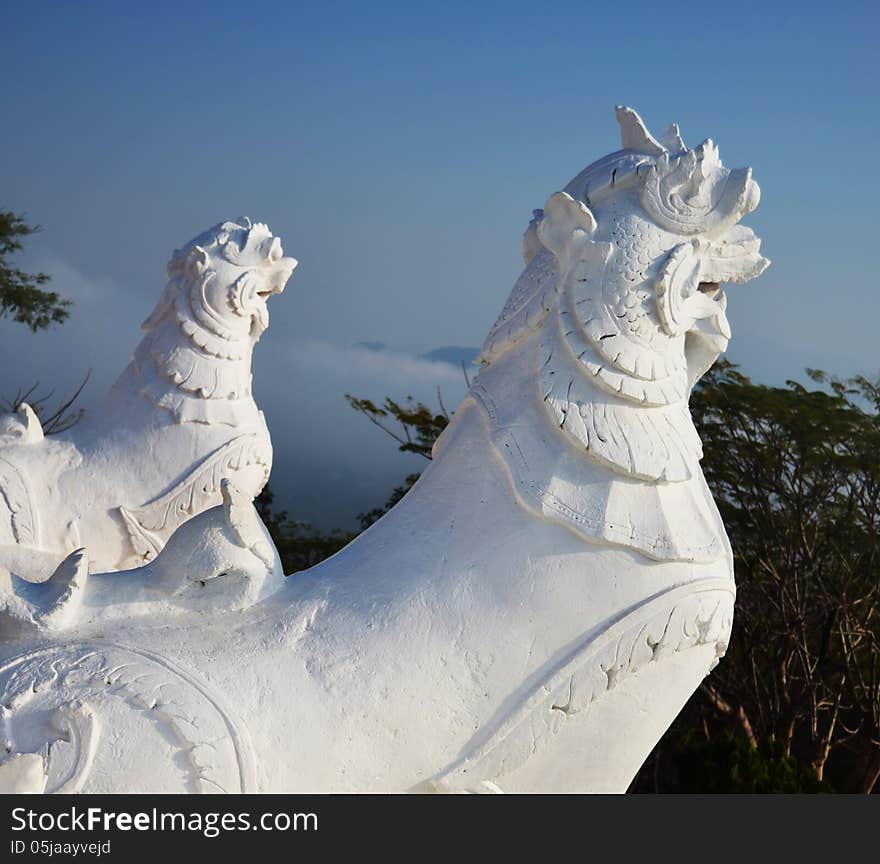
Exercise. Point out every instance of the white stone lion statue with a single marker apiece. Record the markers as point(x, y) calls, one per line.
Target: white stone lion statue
point(534, 612)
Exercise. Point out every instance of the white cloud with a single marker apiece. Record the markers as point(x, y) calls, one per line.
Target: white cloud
point(100, 333)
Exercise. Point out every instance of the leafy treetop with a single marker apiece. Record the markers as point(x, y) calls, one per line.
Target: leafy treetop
point(21, 296)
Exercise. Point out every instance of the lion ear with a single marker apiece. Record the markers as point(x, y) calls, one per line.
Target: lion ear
point(564, 220)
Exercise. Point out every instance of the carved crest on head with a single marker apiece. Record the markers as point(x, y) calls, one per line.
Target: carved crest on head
point(630, 256)
point(621, 301)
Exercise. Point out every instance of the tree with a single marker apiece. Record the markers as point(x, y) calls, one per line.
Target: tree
point(419, 426)
point(728, 763)
point(418, 429)
point(21, 296)
point(796, 474)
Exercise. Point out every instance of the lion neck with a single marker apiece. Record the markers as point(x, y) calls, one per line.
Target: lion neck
point(192, 366)
point(615, 470)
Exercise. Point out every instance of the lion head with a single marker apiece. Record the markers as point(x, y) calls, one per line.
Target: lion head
point(670, 216)
point(622, 286)
point(201, 335)
point(231, 270)
point(641, 239)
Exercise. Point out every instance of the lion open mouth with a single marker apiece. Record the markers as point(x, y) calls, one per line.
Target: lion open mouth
point(710, 289)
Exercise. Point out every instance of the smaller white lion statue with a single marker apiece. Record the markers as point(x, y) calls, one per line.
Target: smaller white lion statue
point(179, 420)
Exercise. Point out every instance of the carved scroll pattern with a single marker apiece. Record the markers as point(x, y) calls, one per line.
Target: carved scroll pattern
point(72, 685)
point(150, 526)
point(695, 614)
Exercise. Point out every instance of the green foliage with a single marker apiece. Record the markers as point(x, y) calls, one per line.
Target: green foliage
point(418, 426)
point(727, 763)
point(21, 296)
point(299, 544)
point(796, 475)
point(417, 430)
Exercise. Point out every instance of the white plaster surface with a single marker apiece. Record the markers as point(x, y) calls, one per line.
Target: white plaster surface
point(530, 617)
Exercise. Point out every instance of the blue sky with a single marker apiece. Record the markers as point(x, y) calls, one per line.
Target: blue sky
point(398, 149)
